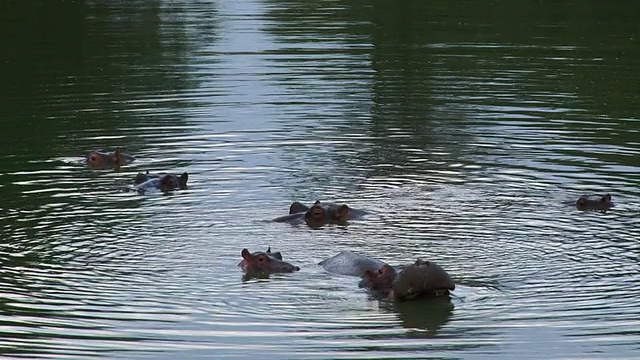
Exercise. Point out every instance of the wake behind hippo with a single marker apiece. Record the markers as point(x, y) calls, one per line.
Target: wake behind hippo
point(100, 159)
point(320, 214)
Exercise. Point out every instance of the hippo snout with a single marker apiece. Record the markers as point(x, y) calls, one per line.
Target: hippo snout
point(287, 268)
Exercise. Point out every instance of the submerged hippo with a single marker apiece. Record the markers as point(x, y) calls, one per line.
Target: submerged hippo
point(424, 279)
point(163, 182)
point(320, 214)
point(259, 263)
point(594, 203)
point(420, 279)
point(349, 263)
point(98, 159)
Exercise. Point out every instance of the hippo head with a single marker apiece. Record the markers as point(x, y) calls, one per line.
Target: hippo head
point(381, 280)
point(170, 182)
point(586, 202)
point(141, 177)
point(265, 263)
point(104, 159)
point(318, 214)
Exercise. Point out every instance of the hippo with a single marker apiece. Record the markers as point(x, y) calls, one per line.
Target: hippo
point(420, 279)
point(164, 182)
point(320, 214)
point(594, 203)
point(424, 279)
point(99, 159)
point(349, 263)
point(259, 263)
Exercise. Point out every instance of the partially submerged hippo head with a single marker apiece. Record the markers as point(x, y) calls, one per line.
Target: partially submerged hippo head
point(98, 159)
point(142, 177)
point(380, 280)
point(594, 202)
point(170, 182)
point(165, 182)
point(264, 263)
point(421, 279)
point(320, 214)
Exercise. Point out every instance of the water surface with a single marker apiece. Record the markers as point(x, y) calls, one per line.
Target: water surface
point(465, 130)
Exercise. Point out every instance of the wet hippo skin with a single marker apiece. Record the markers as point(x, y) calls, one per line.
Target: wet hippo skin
point(350, 263)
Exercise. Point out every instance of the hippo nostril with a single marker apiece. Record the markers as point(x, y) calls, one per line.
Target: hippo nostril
point(290, 268)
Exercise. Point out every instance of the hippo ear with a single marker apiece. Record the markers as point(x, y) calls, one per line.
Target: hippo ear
point(268, 250)
point(183, 179)
point(116, 156)
point(246, 254)
point(369, 275)
point(342, 212)
point(606, 198)
point(384, 270)
point(297, 207)
point(317, 202)
point(140, 178)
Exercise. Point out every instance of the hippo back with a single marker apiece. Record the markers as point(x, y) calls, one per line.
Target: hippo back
point(349, 263)
point(424, 278)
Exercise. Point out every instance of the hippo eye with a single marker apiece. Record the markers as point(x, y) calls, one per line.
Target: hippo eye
point(94, 158)
point(261, 259)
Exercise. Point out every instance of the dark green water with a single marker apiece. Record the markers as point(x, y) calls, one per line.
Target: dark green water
point(465, 129)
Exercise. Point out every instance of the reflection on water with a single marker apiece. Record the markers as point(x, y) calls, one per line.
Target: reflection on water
point(428, 316)
point(466, 132)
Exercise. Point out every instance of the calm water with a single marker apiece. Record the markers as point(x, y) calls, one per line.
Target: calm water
point(463, 128)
